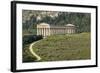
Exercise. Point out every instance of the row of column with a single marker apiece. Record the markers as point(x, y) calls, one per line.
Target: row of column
point(50, 31)
point(61, 31)
point(43, 31)
point(57, 31)
point(69, 30)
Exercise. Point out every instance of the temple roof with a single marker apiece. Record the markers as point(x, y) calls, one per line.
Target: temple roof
point(54, 26)
point(69, 25)
point(44, 24)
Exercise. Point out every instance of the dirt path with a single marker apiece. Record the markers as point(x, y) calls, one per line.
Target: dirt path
point(32, 51)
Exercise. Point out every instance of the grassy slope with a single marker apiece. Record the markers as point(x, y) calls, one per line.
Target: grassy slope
point(27, 56)
point(64, 47)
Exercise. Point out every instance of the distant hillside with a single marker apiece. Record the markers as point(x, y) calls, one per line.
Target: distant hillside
point(31, 18)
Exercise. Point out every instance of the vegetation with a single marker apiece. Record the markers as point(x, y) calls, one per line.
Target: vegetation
point(27, 40)
point(27, 56)
point(54, 18)
point(64, 47)
point(56, 47)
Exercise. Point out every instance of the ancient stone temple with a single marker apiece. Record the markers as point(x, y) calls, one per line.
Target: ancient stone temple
point(45, 29)
point(70, 28)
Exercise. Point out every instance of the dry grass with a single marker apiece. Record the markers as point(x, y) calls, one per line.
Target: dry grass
point(64, 47)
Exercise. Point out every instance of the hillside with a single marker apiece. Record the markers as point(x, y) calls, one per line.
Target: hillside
point(31, 18)
point(63, 47)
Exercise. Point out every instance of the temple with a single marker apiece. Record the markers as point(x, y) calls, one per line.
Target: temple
point(45, 29)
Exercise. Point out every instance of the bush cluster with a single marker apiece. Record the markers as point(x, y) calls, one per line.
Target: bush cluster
point(27, 39)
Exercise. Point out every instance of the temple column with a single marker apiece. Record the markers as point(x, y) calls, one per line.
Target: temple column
point(49, 31)
point(43, 31)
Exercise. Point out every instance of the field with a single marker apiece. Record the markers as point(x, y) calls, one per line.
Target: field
point(62, 47)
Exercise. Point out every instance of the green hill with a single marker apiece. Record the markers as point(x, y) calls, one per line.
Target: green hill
point(64, 47)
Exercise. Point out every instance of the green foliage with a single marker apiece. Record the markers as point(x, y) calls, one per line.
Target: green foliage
point(27, 39)
point(81, 20)
point(57, 47)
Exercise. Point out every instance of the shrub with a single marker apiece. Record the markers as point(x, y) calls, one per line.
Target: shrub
point(27, 39)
